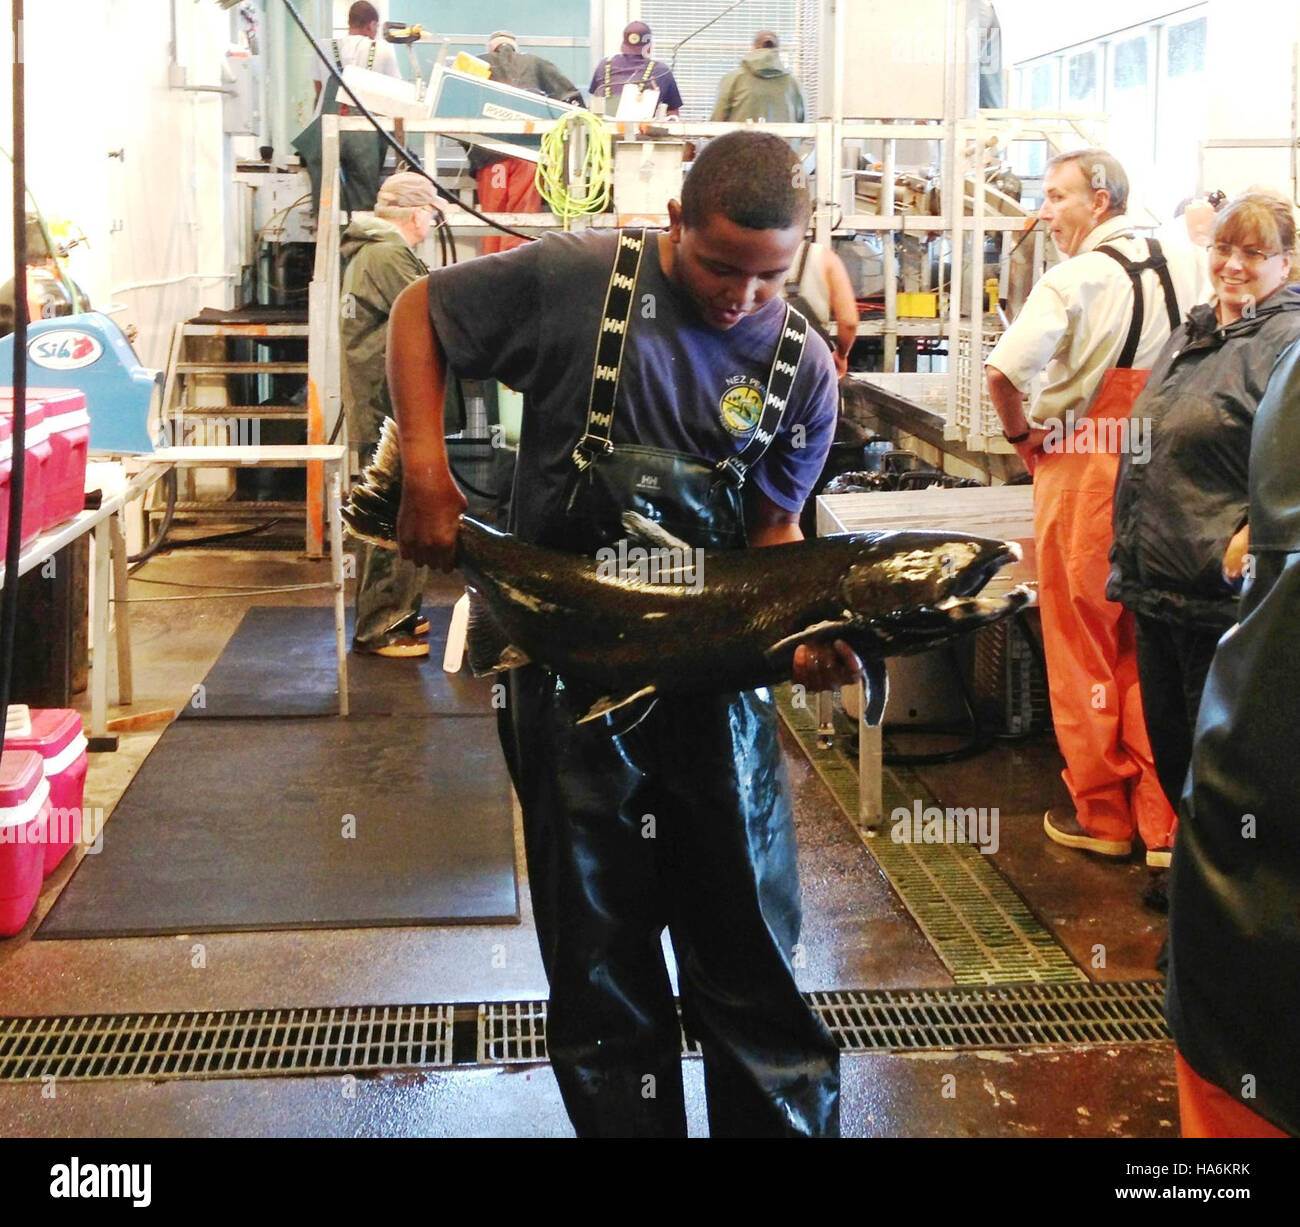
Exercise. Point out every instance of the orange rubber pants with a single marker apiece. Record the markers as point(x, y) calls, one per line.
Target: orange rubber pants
point(1208, 1111)
point(507, 187)
point(1089, 641)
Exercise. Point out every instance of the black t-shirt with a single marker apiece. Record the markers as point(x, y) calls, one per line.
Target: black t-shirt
point(529, 317)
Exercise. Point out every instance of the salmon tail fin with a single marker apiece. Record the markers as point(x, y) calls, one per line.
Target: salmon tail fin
point(371, 510)
point(488, 647)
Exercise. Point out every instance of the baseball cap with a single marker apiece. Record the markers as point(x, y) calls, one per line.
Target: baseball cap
point(501, 36)
point(635, 36)
point(406, 190)
point(766, 38)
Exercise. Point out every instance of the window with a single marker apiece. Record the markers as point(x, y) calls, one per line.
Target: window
point(1150, 82)
point(1187, 48)
point(1042, 87)
point(711, 54)
point(1081, 90)
point(1131, 64)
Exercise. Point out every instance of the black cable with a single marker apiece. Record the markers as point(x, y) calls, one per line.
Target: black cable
point(210, 539)
point(460, 481)
point(977, 743)
point(18, 468)
point(168, 513)
point(403, 153)
point(213, 538)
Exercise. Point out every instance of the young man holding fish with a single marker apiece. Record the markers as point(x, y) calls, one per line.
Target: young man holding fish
point(662, 375)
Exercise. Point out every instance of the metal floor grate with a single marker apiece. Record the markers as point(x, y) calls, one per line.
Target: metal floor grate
point(226, 1044)
point(514, 1032)
point(511, 1032)
point(1009, 1016)
point(378, 1039)
point(977, 923)
point(912, 1020)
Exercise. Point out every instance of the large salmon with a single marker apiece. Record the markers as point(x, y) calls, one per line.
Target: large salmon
point(654, 616)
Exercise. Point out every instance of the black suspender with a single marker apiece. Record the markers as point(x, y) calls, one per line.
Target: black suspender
point(609, 348)
point(1155, 260)
point(614, 323)
point(338, 56)
point(780, 379)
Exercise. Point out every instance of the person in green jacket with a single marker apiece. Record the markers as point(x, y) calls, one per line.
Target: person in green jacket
point(379, 263)
point(761, 88)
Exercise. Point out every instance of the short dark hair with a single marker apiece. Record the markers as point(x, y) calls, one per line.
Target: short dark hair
point(361, 14)
point(1101, 171)
point(753, 179)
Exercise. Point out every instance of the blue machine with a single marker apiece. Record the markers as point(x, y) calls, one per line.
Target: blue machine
point(89, 352)
point(460, 95)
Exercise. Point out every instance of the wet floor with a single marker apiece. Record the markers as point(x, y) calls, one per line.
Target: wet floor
point(857, 934)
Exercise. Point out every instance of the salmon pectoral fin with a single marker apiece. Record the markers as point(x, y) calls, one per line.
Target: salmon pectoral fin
point(611, 703)
point(818, 632)
point(486, 644)
point(647, 531)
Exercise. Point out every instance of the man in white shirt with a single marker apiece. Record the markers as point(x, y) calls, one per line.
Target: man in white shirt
point(359, 47)
point(1085, 341)
point(361, 154)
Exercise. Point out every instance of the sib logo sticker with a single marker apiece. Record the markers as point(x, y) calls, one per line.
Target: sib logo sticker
point(64, 349)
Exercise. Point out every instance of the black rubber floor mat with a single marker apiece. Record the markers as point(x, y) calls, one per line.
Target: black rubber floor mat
point(281, 662)
point(300, 824)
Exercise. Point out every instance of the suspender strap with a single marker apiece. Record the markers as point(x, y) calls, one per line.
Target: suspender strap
point(1166, 284)
point(338, 56)
point(609, 72)
point(1135, 268)
point(609, 349)
point(780, 379)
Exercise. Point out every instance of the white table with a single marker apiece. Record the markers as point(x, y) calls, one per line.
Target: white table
point(105, 522)
point(989, 511)
point(331, 456)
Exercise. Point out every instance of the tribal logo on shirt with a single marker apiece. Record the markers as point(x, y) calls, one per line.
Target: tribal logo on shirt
point(741, 405)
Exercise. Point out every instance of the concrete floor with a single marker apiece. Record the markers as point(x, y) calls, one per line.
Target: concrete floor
point(857, 934)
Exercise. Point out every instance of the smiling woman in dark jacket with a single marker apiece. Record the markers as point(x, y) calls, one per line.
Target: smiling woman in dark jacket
point(1180, 518)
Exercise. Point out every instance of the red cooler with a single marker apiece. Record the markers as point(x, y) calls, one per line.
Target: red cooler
point(6, 466)
point(24, 815)
point(38, 463)
point(68, 425)
point(55, 734)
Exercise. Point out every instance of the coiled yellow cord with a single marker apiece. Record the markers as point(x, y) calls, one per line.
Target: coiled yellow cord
point(595, 175)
